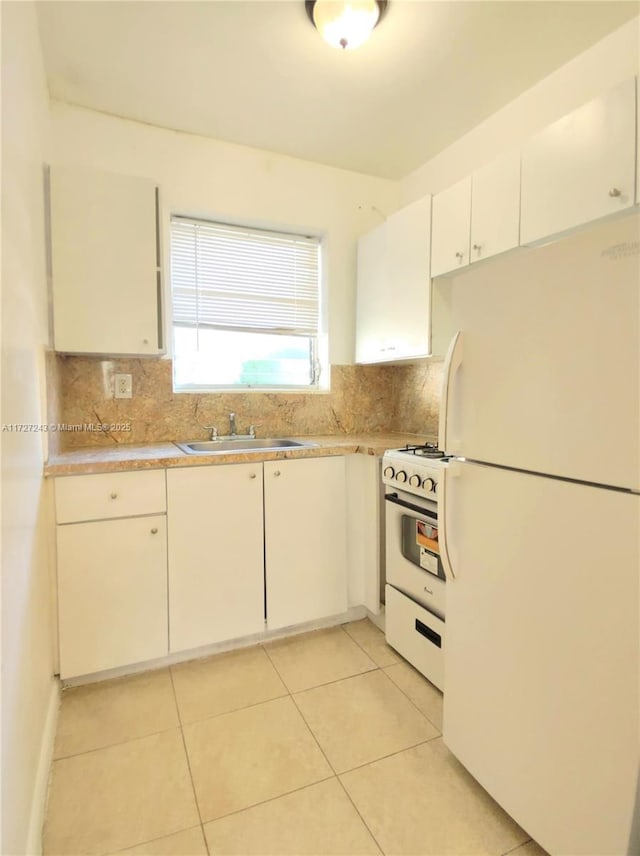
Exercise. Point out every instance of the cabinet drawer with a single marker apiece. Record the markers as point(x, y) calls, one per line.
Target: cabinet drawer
point(417, 634)
point(97, 497)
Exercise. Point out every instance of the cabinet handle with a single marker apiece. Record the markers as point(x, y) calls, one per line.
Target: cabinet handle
point(277, 473)
point(145, 341)
point(459, 256)
point(154, 531)
point(615, 191)
point(477, 247)
point(252, 475)
point(113, 496)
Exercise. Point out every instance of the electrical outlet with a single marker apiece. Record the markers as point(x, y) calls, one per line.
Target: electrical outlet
point(123, 386)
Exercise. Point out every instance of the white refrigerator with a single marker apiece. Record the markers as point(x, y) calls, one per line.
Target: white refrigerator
point(540, 534)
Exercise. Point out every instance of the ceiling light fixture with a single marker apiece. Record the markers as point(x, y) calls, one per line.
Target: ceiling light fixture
point(345, 25)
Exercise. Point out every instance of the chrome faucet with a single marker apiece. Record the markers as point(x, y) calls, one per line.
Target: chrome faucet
point(233, 431)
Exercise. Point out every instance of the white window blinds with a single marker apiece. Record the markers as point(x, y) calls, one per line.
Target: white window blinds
point(235, 278)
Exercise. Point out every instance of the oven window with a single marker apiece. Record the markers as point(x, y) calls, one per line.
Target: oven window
point(420, 544)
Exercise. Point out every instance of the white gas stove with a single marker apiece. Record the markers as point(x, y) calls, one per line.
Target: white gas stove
point(416, 585)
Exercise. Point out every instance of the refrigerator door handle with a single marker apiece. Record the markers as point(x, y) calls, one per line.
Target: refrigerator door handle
point(452, 364)
point(449, 472)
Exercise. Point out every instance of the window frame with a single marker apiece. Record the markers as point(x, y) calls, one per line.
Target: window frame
point(318, 362)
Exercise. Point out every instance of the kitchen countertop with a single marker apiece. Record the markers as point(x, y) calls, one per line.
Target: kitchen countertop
point(158, 455)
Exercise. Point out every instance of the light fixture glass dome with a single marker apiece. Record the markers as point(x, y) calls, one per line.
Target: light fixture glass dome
point(345, 25)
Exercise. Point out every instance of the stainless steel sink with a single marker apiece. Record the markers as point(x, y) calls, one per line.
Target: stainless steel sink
point(256, 444)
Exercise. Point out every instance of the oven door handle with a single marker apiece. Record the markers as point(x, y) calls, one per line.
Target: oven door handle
point(393, 497)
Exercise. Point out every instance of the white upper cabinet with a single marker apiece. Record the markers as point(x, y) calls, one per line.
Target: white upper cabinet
point(451, 228)
point(495, 207)
point(105, 260)
point(393, 287)
point(581, 167)
point(371, 295)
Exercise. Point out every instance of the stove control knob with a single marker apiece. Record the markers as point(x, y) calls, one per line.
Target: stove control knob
point(389, 472)
point(414, 480)
point(429, 485)
point(401, 476)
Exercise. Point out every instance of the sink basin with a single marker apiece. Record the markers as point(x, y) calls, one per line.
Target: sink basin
point(257, 444)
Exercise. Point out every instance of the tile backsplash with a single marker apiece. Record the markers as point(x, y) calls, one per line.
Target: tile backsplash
point(363, 399)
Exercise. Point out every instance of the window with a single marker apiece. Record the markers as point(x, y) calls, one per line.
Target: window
point(245, 307)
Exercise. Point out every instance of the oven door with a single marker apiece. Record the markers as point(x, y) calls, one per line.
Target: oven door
point(412, 554)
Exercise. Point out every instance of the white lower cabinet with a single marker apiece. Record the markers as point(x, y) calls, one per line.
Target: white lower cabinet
point(216, 556)
point(305, 540)
point(136, 583)
point(112, 593)
point(111, 569)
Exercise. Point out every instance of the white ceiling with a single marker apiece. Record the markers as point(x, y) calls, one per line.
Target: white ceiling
point(256, 72)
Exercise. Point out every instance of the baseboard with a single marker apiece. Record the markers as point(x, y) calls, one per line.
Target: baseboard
point(354, 613)
point(39, 801)
point(378, 619)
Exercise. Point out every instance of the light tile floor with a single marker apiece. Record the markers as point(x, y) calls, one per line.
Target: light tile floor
point(324, 744)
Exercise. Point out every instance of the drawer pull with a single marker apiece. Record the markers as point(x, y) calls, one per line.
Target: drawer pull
point(277, 473)
point(252, 475)
point(429, 634)
point(114, 496)
point(154, 531)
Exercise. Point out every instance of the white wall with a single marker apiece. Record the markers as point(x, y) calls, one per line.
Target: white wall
point(29, 691)
point(202, 176)
point(588, 75)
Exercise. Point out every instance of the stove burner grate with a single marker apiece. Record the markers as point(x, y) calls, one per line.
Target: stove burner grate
point(424, 450)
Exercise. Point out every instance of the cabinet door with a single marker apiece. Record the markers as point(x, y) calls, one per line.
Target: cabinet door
point(372, 295)
point(495, 207)
point(407, 288)
point(105, 263)
point(581, 167)
point(305, 540)
point(112, 593)
point(393, 287)
point(450, 230)
point(216, 560)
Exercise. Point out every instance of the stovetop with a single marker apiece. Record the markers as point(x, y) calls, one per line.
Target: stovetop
point(414, 469)
point(424, 450)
